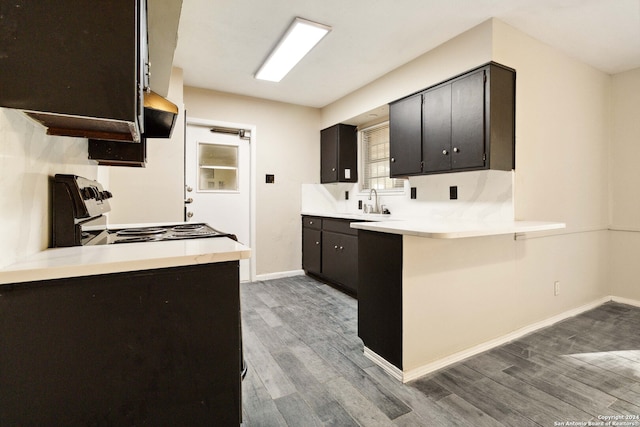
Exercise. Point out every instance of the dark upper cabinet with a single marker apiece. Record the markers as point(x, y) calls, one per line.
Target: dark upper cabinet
point(77, 67)
point(405, 130)
point(466, 123)
point(436, 125)
point(339, 154)
point(118, 153)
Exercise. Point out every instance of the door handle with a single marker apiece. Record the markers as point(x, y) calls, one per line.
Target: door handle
point(189, 200)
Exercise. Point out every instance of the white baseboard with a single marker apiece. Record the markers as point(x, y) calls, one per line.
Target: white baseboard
point(386, 366)
point(412, 374)
point(279, 275)
point(627, 301)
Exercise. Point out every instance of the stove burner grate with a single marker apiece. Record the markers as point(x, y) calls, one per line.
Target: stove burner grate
point(149, 231)
point(187, 228)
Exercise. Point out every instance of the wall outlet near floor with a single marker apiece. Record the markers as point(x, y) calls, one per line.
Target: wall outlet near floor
point(556, 288)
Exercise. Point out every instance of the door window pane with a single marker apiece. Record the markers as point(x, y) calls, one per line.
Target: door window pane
point(218, 167)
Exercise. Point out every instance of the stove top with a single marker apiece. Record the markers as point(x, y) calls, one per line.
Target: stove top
point(163, 233)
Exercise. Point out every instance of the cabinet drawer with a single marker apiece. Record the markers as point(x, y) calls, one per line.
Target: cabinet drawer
point(312, 222)
point(339, 226)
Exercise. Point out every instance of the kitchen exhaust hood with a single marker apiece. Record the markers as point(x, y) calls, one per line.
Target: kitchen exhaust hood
point(159, 116)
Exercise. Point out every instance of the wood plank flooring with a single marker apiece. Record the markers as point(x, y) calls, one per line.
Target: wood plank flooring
point(306, 368)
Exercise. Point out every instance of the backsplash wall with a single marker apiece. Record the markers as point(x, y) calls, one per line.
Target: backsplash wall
point(482, 195)
point(28, 156)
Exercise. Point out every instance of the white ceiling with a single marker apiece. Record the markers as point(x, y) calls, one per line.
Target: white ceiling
point(221, 43)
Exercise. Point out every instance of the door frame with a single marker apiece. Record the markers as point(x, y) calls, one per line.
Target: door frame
point(252, 174)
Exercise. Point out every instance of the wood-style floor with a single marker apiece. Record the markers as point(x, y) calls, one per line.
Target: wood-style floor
point(306, 368)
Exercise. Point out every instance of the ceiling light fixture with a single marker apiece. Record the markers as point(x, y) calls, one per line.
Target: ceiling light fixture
point(299, 39)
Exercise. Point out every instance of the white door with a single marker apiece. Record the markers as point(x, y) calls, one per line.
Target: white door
point(218, 180)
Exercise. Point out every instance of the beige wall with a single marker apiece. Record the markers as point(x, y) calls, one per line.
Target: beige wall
point(288, 146)
point(28, 157)
point(625, 180)
point(562, 124)
point(154, 193)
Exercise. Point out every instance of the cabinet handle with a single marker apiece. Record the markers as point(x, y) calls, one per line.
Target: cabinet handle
point(317, 243)
point(341, 247)
point(310, 222)
point(456, 150)
point(393, 160)
point(333, 169)
point(445, 152)
point(335, 247)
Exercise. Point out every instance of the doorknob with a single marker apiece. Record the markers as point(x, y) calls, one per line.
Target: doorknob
point(189, 200)
point(189, 214)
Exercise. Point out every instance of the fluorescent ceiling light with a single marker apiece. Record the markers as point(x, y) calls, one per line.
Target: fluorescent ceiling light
point(299, 39)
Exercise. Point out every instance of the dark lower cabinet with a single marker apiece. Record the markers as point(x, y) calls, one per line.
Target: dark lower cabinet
point(312, 250)
point(155, 347)
point(330, 251)
point(380, 294)
point(339, 259)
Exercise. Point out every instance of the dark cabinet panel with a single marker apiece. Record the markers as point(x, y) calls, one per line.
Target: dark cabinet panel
point(380, 294)
point(338, 154)
point(468, 122)
point(436, 125)
point(339, 251)
point(312, 250)
point(314, 222)
point(153, 347)
point(405, 134)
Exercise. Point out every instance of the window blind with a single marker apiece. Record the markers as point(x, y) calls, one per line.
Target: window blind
point(375, 153)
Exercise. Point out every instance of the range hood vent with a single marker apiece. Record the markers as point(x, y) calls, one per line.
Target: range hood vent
point(159, 116)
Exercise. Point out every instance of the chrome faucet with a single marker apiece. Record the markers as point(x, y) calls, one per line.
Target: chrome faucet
point(376, 209)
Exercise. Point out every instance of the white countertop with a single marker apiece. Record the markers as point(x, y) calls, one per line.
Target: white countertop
point(455, 229)
point(77, 261)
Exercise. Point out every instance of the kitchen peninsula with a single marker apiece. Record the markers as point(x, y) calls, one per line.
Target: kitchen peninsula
point(123, 334)
point(433, 292)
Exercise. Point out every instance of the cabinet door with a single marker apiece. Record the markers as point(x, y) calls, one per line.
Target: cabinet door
point(468, 121)
point(329, 155)
point(347, 153)
point(405, 136)
point(436, 129)
point(349, 258)
point(311, 250)
point(339, 255)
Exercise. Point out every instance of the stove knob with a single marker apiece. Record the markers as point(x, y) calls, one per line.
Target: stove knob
point(106, 194)
point(86, 193)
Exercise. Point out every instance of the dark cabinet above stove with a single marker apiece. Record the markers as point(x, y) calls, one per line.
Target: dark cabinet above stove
point(79, 68)
point(118, 153)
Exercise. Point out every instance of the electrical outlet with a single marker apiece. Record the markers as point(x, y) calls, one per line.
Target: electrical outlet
point(556, 288)
point(453, 192)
